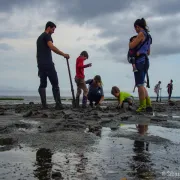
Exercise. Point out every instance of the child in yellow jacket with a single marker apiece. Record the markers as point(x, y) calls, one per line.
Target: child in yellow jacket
point(122, 96)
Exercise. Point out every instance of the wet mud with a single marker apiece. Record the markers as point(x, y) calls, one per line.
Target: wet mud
point(88, 144)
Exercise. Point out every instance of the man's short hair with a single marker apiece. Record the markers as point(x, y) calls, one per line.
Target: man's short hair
point(50, 24)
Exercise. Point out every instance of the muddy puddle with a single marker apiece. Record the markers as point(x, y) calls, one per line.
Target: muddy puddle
point(132, 151)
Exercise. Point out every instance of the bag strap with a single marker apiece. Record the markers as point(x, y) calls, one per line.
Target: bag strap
point(146, 40)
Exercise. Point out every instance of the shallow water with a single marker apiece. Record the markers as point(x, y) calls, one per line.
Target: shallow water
point(111, 157)
point(166, 133)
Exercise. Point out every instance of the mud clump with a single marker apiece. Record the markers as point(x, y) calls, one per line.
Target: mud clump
point(22, 125)
point(53, 116)
point(31, 103)
point(2, 108)
point(2, 112)
point(6, 141)
point(111, 115)
point(73, 126)
point(95, 129)
point(158, 119)
point(19, 108)
point(43, 163)
point(125, 118)
point(3, 129)
point(57, 176)
point(28, 114)
point(44, 115)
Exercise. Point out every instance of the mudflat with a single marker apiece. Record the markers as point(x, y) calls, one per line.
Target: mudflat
point(88, 144)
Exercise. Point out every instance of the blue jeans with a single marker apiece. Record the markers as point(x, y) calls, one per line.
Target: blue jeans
point(94, 98)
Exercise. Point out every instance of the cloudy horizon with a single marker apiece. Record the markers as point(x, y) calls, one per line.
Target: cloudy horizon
point(103, 28)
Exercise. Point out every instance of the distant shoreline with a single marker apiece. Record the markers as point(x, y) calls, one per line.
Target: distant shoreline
point(69, 98)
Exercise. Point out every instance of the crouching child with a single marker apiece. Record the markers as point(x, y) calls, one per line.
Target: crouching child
point(122, 97)
point(95, 93)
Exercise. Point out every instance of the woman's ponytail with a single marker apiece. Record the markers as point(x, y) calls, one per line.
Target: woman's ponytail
point(141, 23)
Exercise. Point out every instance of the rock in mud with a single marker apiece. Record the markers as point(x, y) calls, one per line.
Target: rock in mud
point(6, 141)
point(31, 103)
point(18, 110)
point(3, 129)
point(36, 113)
point(114, 128)
point(57, 176)
point(28, 114)
point(171, 103)
point(2, 108)
point(105, 121)
point(73, 126)
point(111, 115)
point(158, 119)
point(1, 112)
point(95, 129)
point(22, 125)
point(44, 115)
point(96, 117)
point(53, 115)
point(124, 118)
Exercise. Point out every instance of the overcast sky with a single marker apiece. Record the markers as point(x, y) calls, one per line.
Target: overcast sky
point(101, 27)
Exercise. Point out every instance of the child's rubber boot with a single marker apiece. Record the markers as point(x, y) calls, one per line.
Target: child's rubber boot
point(84, 102)
point(142, 106)
point(148, 105)
point(77, 102)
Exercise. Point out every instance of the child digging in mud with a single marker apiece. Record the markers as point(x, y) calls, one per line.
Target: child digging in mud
point(95, 93)
point(122, 97)
point(79, 78)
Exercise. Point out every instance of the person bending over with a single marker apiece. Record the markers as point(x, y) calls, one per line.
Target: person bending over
point(122, 97)
point(95, 93)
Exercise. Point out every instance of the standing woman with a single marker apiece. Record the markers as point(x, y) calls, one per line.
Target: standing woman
point(142, 42)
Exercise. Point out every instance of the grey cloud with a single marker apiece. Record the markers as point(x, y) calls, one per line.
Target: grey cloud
point(83, 10)
point(10, 34)
point(78, 10)
point(5, 47)
point(115, 20)
point(165, 7)
point(16, 4)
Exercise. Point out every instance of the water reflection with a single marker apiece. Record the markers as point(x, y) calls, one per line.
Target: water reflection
point(44, 164)
point(141, 161)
